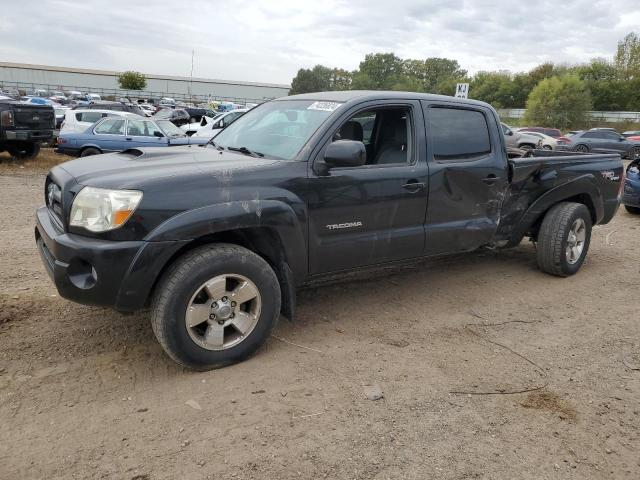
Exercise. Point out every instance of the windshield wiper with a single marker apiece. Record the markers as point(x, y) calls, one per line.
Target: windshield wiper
point(246, 151)
point(219, 147)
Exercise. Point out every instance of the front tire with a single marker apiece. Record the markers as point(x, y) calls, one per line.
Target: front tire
point(581, 149)
point(563, 239)
point(195, 317)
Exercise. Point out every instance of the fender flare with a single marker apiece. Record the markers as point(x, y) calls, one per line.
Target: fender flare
point(582, 185)
point(280, 217)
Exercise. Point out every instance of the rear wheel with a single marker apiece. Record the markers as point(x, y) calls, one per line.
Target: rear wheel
point(547, 147)
point(215, 306)
point(582, 149)
point(24, 151)
point(87, 152)
point(526, 146)
point(635, 153)
point(634, 210)
point(563, 239)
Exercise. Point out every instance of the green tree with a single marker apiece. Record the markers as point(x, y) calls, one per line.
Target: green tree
point(627, 57)
point(317, 79)
point(433, 73)
point(495, 88)
point(131, 80)
point(378, 71)
point(561, 102)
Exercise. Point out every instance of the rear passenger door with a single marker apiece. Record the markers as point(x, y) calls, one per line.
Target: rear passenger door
point(467, 176)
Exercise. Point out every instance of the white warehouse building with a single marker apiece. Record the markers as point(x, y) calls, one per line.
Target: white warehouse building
point(28, 77)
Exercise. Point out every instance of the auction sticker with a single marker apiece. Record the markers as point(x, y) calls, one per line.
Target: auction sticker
point(324, 106)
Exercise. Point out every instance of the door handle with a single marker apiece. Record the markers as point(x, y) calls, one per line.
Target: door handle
point(413, 186)
point(128, 139)
point(490, 179)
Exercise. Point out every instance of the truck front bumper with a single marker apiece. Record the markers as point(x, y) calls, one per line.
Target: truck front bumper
point(100, 272)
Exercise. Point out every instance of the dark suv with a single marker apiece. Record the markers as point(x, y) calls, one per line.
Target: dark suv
point(178, 116)
point(116, 106)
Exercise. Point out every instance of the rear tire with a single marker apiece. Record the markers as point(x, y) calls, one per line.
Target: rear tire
point(24, 151)
point(581, 149)
point(634, 210)
point(177, 293)
point(563, 239)
point(87, 152)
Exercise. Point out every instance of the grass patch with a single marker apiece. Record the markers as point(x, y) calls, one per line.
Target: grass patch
point(45, 160)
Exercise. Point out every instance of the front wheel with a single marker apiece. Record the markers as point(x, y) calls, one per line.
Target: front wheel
point(582, 149)
point(563, 239)
point(215, 306)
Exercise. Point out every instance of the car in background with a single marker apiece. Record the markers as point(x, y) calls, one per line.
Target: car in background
point(220, 122)
point(10, 92)
point(178, 116)
point(196, 114)
point(147, 109)
point(601, 140)
point(36, 100)
point(548, 142)
point(551, 132)
point(115, 106)
point(520, 140)
point(79, 120)
point(4, 98)
point(115, 134)
point(632, 134)
point(631, 189)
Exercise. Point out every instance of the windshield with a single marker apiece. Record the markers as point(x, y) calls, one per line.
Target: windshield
point(164, 113)
point(276, 129)
point(169, 128)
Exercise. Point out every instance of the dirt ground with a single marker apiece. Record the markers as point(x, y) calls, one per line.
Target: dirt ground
point(88, 393)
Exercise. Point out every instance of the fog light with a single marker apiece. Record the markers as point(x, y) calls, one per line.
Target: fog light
point(82, 274)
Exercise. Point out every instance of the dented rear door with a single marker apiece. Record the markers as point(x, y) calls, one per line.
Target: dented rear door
point(467, 176)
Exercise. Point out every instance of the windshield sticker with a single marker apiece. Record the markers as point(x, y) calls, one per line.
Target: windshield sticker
point(324, 106)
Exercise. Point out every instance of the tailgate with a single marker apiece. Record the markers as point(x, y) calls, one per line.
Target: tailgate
point(33, 117)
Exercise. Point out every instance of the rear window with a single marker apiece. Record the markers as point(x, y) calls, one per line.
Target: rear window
point(89, 117)
point(458, 134)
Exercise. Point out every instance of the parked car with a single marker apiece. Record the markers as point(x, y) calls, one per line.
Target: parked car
point(631, 192)
point(631, 134)
point(79, 120)
point(115, 106)
point(178, 116)
point(115, 134)
point(212, 128)
point(601, 141)
point(548, 142)
point(551, 132)
point(523, 140)
point(147, 109)
point(196, 114)
point(23, 127)
point(217, 239)
point(10, 92)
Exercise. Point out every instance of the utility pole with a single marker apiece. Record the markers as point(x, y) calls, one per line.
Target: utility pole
point(191, 78)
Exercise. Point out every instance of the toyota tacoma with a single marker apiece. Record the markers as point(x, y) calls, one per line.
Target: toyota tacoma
point(216, 239)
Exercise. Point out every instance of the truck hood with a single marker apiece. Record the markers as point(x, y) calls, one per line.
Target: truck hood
point(139, 166)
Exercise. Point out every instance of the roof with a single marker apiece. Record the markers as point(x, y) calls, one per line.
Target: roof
point(349, 95)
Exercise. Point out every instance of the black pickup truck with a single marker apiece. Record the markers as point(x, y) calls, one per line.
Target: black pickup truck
point(217, 238)
point(23, 127)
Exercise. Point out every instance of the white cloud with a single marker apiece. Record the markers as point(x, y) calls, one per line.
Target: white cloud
point(269, 41)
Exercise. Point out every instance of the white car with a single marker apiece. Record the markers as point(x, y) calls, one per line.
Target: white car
point(147, 109)
point(212, 128)
point(548, 143)
point(77, 121)
point(191, 128)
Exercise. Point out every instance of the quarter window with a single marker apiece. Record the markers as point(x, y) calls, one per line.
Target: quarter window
point(458, 134)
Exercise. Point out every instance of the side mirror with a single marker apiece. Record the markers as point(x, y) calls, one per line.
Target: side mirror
point(345, 153)
point(510, 133)
point(158, 134)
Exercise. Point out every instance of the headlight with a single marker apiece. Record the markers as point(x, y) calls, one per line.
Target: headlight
point(100, 210)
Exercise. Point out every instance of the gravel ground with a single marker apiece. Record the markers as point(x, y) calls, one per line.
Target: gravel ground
point(87, 393)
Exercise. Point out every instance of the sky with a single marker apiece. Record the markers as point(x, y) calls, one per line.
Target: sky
point(268, 41)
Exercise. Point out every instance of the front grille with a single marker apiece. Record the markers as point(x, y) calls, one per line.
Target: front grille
point(53, 198)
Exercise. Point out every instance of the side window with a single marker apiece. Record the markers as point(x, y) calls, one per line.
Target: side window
point(458, 134)
point(385, 132)
point(142, 128)
point(112, 126)
point(590, 135)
